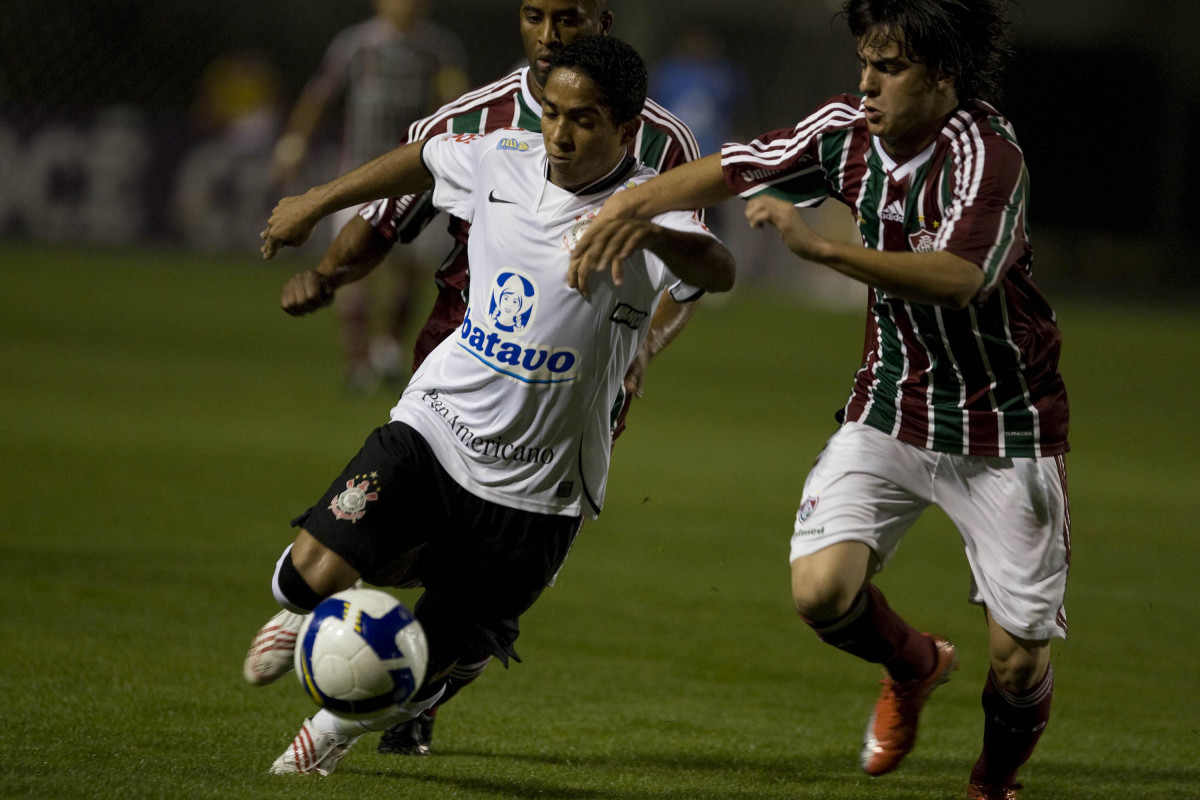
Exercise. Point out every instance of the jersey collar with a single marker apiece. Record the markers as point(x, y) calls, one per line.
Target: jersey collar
point(616, 175)
point(526, 95)
point(899, 172)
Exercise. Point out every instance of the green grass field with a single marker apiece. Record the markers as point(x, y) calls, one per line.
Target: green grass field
point(162, 421)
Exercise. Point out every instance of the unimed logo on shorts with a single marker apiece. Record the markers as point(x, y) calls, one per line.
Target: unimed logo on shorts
point(498, 340)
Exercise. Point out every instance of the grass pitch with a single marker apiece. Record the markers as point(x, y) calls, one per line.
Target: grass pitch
point(162, 421)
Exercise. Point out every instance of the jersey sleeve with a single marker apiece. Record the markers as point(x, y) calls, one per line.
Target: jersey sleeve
point(801, 164)
point(985, 219)
point(453, 159)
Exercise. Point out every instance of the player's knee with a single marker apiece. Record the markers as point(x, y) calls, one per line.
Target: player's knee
point(819, 595)
point(1019, 669)
point(289, 587)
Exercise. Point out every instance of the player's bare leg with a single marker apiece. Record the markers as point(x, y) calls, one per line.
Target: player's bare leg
point(305, 574)
point(1016, 704)
point(832, 593)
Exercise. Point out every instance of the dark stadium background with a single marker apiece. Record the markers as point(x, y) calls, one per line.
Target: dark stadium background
point(1104, 97)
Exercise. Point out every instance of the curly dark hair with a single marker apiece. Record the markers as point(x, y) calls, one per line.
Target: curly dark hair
point(968, 40)
point(616, 69)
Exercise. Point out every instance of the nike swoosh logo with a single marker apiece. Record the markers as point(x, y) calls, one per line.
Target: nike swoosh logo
point(493, 199)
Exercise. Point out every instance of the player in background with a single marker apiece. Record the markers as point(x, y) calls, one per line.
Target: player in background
point(662, 142)
point(959, 402)
point(500, 444)
point(386, 72)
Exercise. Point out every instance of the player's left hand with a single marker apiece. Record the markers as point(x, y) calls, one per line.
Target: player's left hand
point(605, 246)
point(291, 223)
point(797, 235)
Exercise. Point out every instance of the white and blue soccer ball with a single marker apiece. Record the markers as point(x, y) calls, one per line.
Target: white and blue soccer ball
point(360, 654)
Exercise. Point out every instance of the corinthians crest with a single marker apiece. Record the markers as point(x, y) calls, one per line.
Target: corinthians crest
point(351, 504)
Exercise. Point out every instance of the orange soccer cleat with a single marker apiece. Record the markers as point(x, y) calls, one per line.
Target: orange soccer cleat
point(892, 729)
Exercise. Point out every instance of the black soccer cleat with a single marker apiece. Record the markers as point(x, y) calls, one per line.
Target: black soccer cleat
point(411, 738)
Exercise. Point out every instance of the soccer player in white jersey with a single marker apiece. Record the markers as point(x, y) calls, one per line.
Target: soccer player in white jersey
point(515, 100)
point(959, 402)
point(499, 445)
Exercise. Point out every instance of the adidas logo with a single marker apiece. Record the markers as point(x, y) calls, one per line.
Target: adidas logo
point(893, 213)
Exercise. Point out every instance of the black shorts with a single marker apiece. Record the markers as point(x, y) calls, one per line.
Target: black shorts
point(482, 564)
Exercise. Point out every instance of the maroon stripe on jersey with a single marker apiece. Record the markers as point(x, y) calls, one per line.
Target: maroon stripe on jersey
point(859, 397)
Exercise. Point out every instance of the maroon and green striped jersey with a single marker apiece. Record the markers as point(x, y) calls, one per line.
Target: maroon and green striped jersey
point(663, 141)
point(983, 380)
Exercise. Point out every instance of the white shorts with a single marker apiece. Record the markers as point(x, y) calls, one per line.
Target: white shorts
point(1012, 513)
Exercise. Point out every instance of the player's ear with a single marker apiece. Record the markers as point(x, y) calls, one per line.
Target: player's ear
point(945, 82)
point(606, 21)
point(629, 130)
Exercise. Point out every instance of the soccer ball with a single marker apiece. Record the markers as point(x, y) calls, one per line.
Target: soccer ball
point(360, 654)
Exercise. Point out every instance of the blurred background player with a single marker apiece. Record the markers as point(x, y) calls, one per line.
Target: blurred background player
point(959, 402)
point(662, 142)
point(387, 72)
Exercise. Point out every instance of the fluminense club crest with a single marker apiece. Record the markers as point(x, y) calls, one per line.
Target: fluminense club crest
point(807, 508)
point(922, 241)
point(351, 505)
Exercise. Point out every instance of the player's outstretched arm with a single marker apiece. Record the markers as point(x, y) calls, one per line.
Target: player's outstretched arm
point(398, 172)
point(937, 278)
point(357, 249)
point(697, 184)
point(694, 258)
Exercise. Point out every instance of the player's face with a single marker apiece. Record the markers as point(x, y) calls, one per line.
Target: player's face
point(906, 106)
point(401, 13)
point(548, 26)
point(583, 143)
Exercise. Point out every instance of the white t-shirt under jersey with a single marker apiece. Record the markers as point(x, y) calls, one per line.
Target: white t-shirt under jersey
point(517, 403)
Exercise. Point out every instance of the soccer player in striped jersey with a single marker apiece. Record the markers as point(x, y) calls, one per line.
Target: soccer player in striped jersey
point(662, 142)
point(958, 403)
point(386, 71)
point(500, 443)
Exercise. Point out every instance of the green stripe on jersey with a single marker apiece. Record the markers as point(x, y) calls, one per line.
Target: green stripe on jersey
point(833, 153)
point(802, 190)
point(868, 209)
point(467, 123)
point(654, 145)
point(529, 119)
point(947, 187)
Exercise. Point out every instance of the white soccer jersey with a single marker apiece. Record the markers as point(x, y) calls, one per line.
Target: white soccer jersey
point(516, 405)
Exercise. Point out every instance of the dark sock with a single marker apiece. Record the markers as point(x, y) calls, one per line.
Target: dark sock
point(874, 632)
point(460, 677)
point(1013, 723)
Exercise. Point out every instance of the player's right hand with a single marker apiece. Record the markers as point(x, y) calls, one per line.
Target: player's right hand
point(306, 292)
point(291, 223)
